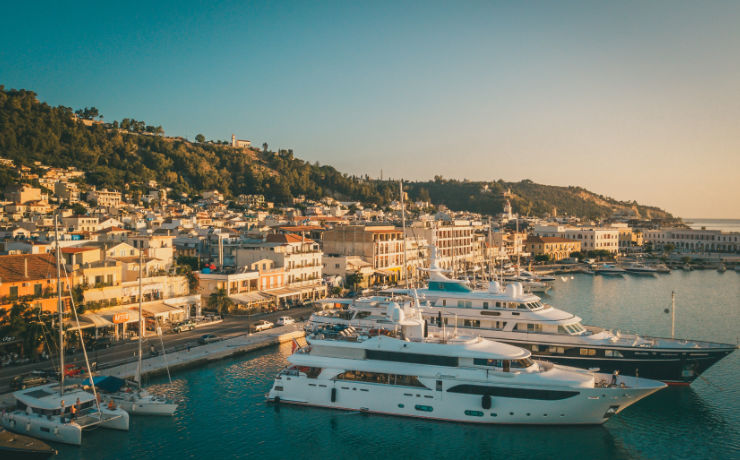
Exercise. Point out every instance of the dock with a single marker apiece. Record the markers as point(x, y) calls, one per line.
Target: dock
point(203, 354)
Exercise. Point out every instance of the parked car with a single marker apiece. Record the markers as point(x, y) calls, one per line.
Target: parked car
point(207, 338)
point(284, 321)
point(184, 326)
point(262, 325)
point(30, 379)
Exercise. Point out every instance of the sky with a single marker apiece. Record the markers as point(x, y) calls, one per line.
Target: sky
point(634, 100)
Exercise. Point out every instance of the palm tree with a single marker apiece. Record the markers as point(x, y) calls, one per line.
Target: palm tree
point(220, 301)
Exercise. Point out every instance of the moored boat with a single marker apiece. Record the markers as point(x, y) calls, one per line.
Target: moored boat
point(14, 446)
point(453, 379)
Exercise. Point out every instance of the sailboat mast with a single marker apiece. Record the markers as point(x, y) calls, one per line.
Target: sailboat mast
point(60, 308)
point(673, 314)
point(516, 246)
point(141, 318)
point(403, 227)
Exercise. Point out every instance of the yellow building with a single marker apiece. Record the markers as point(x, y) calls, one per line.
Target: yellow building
point(555, 247)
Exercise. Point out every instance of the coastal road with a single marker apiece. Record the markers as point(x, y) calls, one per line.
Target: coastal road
point(231, 326)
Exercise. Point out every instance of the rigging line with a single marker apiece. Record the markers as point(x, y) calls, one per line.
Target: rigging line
point(82, 343)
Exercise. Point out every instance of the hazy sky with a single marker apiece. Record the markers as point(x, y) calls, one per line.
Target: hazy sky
point(636, 100)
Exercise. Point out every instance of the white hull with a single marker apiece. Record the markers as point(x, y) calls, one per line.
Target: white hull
point(588, 406)
point(145, 406)
point(54, 429)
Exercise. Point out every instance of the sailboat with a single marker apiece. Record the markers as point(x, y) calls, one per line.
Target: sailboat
point(133, 398)
point(47, 412)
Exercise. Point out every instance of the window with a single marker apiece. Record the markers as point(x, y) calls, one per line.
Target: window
point(613, 354)
point(474, 413)
point(588, 352)
point(417, 358)
point(491, 313)
point(37, 290)
point(13, 291)
point(419, 407)
point(506, 392)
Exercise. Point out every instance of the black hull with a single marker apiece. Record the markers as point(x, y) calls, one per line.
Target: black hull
point(670, 366)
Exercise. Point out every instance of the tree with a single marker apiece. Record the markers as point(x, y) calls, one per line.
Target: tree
point(79, 209)
point(668, 248)
point(354, 279)
point(264, 147)
point(220, 302)
point(200, 138)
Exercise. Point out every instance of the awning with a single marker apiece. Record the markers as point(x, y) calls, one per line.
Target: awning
point(249, 298)
point(97, 320)
point(384, 272)
point(121, 315)
point(159, 309)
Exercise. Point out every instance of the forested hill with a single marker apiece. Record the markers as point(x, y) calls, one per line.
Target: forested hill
point(125, 155)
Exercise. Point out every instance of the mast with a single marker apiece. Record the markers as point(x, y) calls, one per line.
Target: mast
point(60, 308)
point(141, 318)
point(403, 226)
point(489, 259)
point(516, 246)
point(500, 252)
point(673, 314)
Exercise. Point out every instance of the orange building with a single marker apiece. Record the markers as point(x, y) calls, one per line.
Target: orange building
point(31, 278)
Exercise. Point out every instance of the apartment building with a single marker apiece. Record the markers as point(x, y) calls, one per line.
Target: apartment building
point(555, 247)
point(104, 198)
point(591, 238)
point(381, 246)
point(452, 238)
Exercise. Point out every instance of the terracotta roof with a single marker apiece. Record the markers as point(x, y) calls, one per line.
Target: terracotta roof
point(302, 228)
point(287, 238)
point(549, 239)
point(77, 250)
point(40, 267)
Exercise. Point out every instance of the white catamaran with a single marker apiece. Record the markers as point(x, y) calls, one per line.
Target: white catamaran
point(54, 412)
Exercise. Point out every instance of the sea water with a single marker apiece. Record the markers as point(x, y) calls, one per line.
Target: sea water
point(223, 413)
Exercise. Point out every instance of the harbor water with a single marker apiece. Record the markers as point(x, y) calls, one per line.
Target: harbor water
point(223, 413)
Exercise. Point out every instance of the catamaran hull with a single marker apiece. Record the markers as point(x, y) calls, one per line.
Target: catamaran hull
point(588, 406)
point(115, 419)
point(41, 427)
point(146, 407)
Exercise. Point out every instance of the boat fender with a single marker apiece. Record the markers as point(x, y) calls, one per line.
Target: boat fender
point(333, 395)
point(56, 431)
point(133, 407)
point(12, 423)
point(486, 402)
point(28, 426)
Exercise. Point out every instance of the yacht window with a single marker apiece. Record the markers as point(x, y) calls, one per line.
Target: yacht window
point(588, 352)
point(532, 327)
point(613, 354)
point(535, 348)
point(471, 323)
point(561, 330)
point(362, 314)
point(487, 362)
point(491, 313)
point(556, 350)
point(377, 377)
point(520, 327)
point(521, 306)
point(522, 363)
point(498, 304)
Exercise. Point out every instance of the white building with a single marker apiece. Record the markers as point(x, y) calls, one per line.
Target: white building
point(300, 257)
point(591, 238)
point(691, 240)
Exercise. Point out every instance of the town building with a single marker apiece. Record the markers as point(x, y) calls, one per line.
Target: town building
point(555, 247)
point(694, 240)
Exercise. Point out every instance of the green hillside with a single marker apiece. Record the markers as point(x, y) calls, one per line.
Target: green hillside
point(125, 155)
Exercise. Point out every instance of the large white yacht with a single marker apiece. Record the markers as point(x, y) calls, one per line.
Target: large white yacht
point(513, 316)
point(475, 380)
